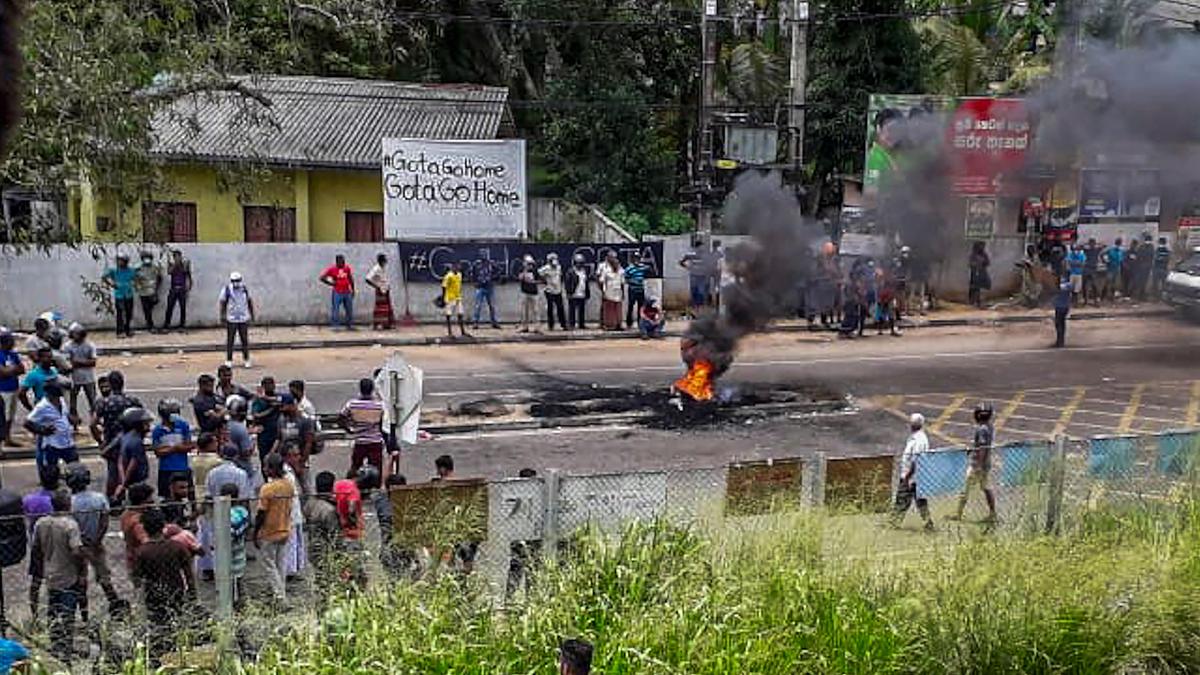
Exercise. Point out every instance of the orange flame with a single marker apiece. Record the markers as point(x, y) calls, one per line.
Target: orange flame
point(698, 382)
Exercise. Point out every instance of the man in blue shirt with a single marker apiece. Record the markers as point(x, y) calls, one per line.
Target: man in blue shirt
point(50, 423)
point(11, 370)
point(36, 379)
point(1076, 260)
point(171, 440)
point(484, 274)
point(635, 281)
point(120, 280)
point(1062, 307)
point(132, 464)
point(1114, 260)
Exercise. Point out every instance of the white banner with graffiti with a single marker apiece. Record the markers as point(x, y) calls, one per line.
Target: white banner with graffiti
point(454, 190)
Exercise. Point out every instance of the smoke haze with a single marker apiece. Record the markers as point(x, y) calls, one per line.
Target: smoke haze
point(770, 267)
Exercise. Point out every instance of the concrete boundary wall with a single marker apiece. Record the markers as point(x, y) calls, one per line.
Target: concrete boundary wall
point(282, 279)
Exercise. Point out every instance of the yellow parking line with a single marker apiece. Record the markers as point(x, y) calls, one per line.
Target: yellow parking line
point(1193, 411)
point(1131, 410)
point(1068, 411)
point(1102, 413)
point(948, 412)
point(1009, 409)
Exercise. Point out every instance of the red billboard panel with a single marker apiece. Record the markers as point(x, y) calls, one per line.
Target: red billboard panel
point(988, 139)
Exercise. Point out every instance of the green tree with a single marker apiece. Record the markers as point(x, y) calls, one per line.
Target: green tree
point(848, 60)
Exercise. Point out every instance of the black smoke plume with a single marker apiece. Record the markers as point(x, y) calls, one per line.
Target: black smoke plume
point(770, 267)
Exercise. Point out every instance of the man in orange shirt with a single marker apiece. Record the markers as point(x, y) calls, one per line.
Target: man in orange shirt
point(273, 523)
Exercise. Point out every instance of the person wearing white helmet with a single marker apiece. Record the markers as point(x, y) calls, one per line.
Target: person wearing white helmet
point(577, 284)
point(237, 309)
point(906, 491)
point(81, 354)
point(528, 279)
point(552, 275)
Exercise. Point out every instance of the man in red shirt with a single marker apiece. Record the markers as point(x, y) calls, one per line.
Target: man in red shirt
point(340, 278)
point(348, 501)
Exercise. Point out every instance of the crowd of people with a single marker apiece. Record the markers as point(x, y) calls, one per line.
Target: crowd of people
point(252, 446)
point(563, 292)
point(1098, 272)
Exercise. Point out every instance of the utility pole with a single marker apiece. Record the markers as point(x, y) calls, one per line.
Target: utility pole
point(704, 157)
point(798, 82)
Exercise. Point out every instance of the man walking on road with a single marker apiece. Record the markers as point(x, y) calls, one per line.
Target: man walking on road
point(264, 414)
point(237, 308)
point(552, 276)
point(179, 272)
point(906, 493)
point(340, 278)
point(979, 457)
point(134, 466)
point(635, 281)
point(120, 280)
point(1062, 307)
point(483, 274)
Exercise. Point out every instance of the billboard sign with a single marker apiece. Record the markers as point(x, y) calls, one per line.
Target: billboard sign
point(454, 190)
point(987, 139)
point(981, 140)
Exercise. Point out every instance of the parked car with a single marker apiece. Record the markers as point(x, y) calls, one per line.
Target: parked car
point(1182, 288)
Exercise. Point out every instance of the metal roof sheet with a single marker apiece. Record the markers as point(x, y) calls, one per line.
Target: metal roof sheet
point(322, 122)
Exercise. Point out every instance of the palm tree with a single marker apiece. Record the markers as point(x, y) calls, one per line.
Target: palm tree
point(959, 63)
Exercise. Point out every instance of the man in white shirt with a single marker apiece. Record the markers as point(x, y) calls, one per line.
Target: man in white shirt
point(382, 316)
point(906, 491)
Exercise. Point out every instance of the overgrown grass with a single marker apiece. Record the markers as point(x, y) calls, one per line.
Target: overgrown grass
point(1117, 596)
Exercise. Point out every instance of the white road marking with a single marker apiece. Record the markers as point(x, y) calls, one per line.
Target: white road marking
point(747, 364)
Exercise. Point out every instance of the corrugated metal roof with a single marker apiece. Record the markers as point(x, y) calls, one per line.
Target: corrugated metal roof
point(323, 122)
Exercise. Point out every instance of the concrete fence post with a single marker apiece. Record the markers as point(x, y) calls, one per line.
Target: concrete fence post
point(222, 556)
point(550, 487)
point(820, 463)
point(1058, 474)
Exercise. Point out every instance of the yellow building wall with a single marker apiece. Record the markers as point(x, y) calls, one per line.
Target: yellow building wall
point(332, 193)
point(320, 197)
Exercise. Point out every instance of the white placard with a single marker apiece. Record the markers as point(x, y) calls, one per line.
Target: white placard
point(609, 501)
point(873, 245)
point(454, 190)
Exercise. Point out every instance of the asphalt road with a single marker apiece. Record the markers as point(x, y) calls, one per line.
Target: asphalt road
point(927, 369)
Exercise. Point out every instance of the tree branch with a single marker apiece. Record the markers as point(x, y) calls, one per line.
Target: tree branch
point(175, 91)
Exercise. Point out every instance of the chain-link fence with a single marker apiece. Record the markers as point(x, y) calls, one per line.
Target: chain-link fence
point(224, 575)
